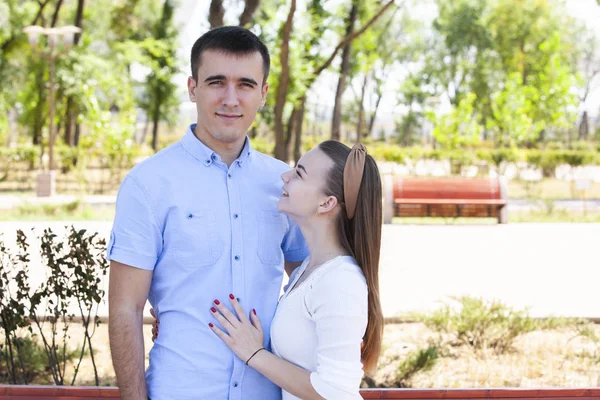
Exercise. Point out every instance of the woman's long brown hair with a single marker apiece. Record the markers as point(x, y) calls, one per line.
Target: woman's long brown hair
point(361, 237)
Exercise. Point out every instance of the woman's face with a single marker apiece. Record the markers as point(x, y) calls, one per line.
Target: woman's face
point(303, 187)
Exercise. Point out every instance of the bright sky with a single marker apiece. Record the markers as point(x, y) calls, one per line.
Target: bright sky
point(192, 17)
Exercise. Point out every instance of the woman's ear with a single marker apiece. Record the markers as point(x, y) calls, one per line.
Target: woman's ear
point(328, 205)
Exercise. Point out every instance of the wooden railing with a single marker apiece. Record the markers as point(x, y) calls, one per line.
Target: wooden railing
point(103, 393)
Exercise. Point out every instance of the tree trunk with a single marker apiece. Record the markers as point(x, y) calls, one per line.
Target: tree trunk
point(298, 129)
point(77, 135)
point(155, 122)
point(70, 113)
point(374, 115)
point(69, 122)
point(40, 114)
point(584, 126)
point(290, 132)
point(55, 15)
point(336, 120)
point(282, 88)
point(79, 19)
point(249, 9)
point(361, 111)
point(216, 14)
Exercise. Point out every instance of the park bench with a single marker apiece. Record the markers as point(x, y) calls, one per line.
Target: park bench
point(102, 393)
point(444, 197)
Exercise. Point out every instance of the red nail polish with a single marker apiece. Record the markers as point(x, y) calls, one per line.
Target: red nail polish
point(254, 311)
point(231, 296)
point(210, 324)
point(217, 302)
point(213, 309)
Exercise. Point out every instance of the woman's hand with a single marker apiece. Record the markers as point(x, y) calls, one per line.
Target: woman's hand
point(243, 336)
point(154, 325)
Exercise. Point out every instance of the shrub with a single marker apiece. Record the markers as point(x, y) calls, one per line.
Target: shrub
point(479, 324)
point(74, 266)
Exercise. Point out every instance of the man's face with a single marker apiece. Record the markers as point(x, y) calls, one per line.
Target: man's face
point(228, 93)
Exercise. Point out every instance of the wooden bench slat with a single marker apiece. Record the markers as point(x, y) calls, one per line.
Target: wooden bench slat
point(498, 202)
point(8, 392)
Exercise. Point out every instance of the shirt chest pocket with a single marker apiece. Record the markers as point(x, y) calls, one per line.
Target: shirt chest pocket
point(195, 242)
point(272, 227)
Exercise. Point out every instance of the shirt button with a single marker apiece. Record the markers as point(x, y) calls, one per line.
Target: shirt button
point(229, 176)
point(190, 216)
point(235, 216)
point(208, 161)
point(235, 384)
point(236, 258)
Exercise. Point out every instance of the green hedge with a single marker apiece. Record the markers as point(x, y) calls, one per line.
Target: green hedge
point(547, 160)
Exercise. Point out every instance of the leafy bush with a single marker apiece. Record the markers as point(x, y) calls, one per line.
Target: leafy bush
point(479, 324)
point(408, 366)
point(32, 361)
point(74, 266)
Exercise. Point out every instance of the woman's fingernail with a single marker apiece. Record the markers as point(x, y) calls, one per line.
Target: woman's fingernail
point(254, 311)
point(217, 302)
point(210, 324)
point(213, 309)
point(231, 296)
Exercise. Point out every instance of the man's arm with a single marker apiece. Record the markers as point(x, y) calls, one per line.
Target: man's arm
point(128, 292)
point(290, 266)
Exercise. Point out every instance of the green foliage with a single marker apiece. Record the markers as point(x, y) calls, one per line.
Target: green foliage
point(74, 268)
point(459, 128)
point(263, 146)
point(479, 324)
point(515, 57)
point(407, 366)
point(421, 360)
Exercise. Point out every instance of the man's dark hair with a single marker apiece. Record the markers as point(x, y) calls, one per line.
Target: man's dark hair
point(229, 40)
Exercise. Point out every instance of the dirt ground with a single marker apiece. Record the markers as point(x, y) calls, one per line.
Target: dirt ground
point(540, 359)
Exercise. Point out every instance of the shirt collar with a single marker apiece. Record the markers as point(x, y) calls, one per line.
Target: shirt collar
point(205, 154)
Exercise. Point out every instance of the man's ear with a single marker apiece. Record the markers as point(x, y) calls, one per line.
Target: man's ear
point(264, 91)
point(191, 84)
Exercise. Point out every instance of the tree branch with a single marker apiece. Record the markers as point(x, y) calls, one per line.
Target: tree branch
point(350, 38)
point(216, 13)
point(56, 11)
point(249, 9)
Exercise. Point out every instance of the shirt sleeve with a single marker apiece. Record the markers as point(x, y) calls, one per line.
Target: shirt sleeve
point(136, 238)
point(338, 305)
point(293, 246)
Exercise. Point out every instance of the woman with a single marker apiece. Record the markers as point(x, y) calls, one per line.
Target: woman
point(328, 326)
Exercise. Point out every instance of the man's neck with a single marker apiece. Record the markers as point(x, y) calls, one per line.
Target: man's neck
point(229, 152)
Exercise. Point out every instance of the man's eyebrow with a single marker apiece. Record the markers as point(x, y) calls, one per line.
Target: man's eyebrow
point(249, 80)
point(215, 78)
point(223, 78)
point(302, 167)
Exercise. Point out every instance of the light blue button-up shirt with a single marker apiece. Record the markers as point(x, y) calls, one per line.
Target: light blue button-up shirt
point(206, 231)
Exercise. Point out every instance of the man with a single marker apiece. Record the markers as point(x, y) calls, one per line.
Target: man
point(196, 222)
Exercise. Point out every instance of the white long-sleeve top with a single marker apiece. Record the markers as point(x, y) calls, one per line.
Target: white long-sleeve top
point(319, 326)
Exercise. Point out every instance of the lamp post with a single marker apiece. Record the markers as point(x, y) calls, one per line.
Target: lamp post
point(46, 180)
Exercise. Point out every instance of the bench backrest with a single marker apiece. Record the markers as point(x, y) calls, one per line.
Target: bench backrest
point(447, 188)
point(8, 392)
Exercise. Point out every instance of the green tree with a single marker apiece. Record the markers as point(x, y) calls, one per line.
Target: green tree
point(159, 100)
point(458, 128)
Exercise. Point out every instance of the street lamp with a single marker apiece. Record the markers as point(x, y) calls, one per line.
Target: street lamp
point(46, 180)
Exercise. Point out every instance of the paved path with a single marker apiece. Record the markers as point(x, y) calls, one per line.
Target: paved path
point(552, 268)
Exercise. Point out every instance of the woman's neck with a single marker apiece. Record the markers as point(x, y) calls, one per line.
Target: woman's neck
point(323, 241)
